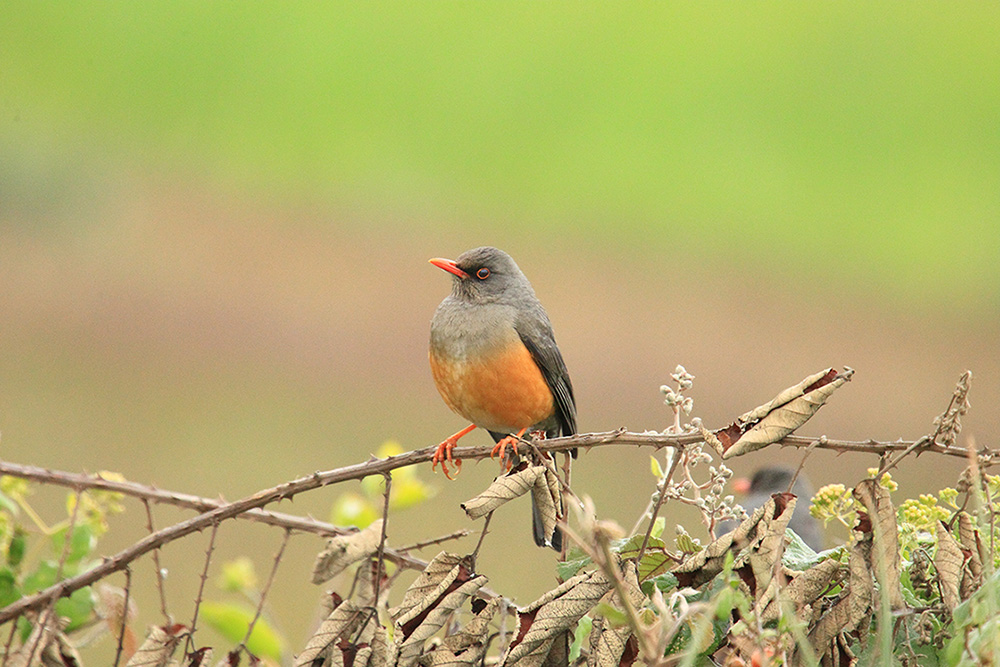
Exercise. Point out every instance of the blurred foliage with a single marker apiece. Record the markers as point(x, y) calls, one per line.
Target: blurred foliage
point(852, 133)
point(361, 509)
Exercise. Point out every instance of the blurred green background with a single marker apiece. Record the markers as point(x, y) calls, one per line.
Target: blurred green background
point(215, 221)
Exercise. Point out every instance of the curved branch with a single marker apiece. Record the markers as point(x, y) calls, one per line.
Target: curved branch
point(250, 506)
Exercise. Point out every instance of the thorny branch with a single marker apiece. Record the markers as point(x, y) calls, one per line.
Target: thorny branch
point(216, 511)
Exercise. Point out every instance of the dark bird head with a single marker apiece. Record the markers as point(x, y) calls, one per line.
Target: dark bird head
point(486, 275)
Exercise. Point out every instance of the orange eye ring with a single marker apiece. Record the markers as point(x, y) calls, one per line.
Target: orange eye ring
point(483, 273)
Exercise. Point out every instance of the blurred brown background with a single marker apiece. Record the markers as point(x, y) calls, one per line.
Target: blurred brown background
point(215, 221)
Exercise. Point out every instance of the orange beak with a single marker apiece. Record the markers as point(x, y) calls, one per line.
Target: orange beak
point(448, 265)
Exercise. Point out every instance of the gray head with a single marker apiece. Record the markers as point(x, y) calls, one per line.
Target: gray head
point(486, 275)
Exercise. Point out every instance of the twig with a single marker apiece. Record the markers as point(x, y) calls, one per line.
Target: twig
point(153, 494)
point(457, 535)
point(380, 563)
point(802, 463)
point(227, 511)
point(68, 535)
point(201, 589)
point(267, 588)
point(124, 618)
point(156, 563)
point(67, 547)
point(9, 644)
point(482, 536)
point(659, 503)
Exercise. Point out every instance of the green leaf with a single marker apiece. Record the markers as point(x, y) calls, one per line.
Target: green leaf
point(799, 556)
point(82, 543)
point(18, 545)
point(8, 587)
point(654, 563)
point(238, 575)
point(43, 577)
point(232, 621)
point(658, 527)
point(352, 509)
point(78, 607)
point(654, 466)
point(630, 548)
point(572, 566)
point(580, 635)
point(665, 582)
point(616, 617)
point(408, 493)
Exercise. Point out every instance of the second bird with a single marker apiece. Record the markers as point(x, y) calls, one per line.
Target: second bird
point(495, 360)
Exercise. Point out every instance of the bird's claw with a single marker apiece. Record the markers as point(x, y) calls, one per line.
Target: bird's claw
point(500, 449)
point(443, 455)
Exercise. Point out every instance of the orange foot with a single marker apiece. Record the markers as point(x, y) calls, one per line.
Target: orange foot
point(501, 447)
point(443, 453)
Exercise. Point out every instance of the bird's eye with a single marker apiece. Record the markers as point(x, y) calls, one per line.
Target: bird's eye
point(483, 273)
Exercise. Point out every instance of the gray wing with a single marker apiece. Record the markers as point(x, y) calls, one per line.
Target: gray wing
point(536, 334)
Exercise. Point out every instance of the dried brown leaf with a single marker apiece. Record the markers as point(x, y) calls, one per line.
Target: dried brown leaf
point(38, 642)
point(769, 423)
point(160, 644)
point(765, 552)
point(442, 572)
point(547, 496)
point(444, 586)
point(61, 653)
point(803, 589)
point(854, 603)
point(412, 632)
point(201, 657)
point(345, 550)
point(504, 488)
point(541, 622)
point(949, 424)
point(948, 560)
point(339, 625)
point(885, 538)
point(468, 645)
point(609, 644)
point(767, 521)
point(968, 537)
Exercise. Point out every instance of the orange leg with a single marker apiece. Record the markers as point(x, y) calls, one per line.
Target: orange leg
point(501, 447)
point(443, 453)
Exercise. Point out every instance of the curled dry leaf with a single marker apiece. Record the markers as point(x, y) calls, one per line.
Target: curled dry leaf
point(803, 589)
point(46, 646)
point(854, 603)
point(444, 585)
point(548, 501)
point(609, 645)
point(38, 642)
point(767, 523)
point(948, 560)
point(546, 619)
point(467, 646)
point(769, 423)
point(519, 481)
point(201, 657)
point(159, 645)
point(764, 553)
point(885, 538)
point(339, 625)
point(968, 537)
point(344, 550)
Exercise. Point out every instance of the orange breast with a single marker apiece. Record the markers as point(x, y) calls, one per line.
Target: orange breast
point(504, 391)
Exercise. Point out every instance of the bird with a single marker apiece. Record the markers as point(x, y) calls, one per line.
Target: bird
point(773, 479)
point(495, 361)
